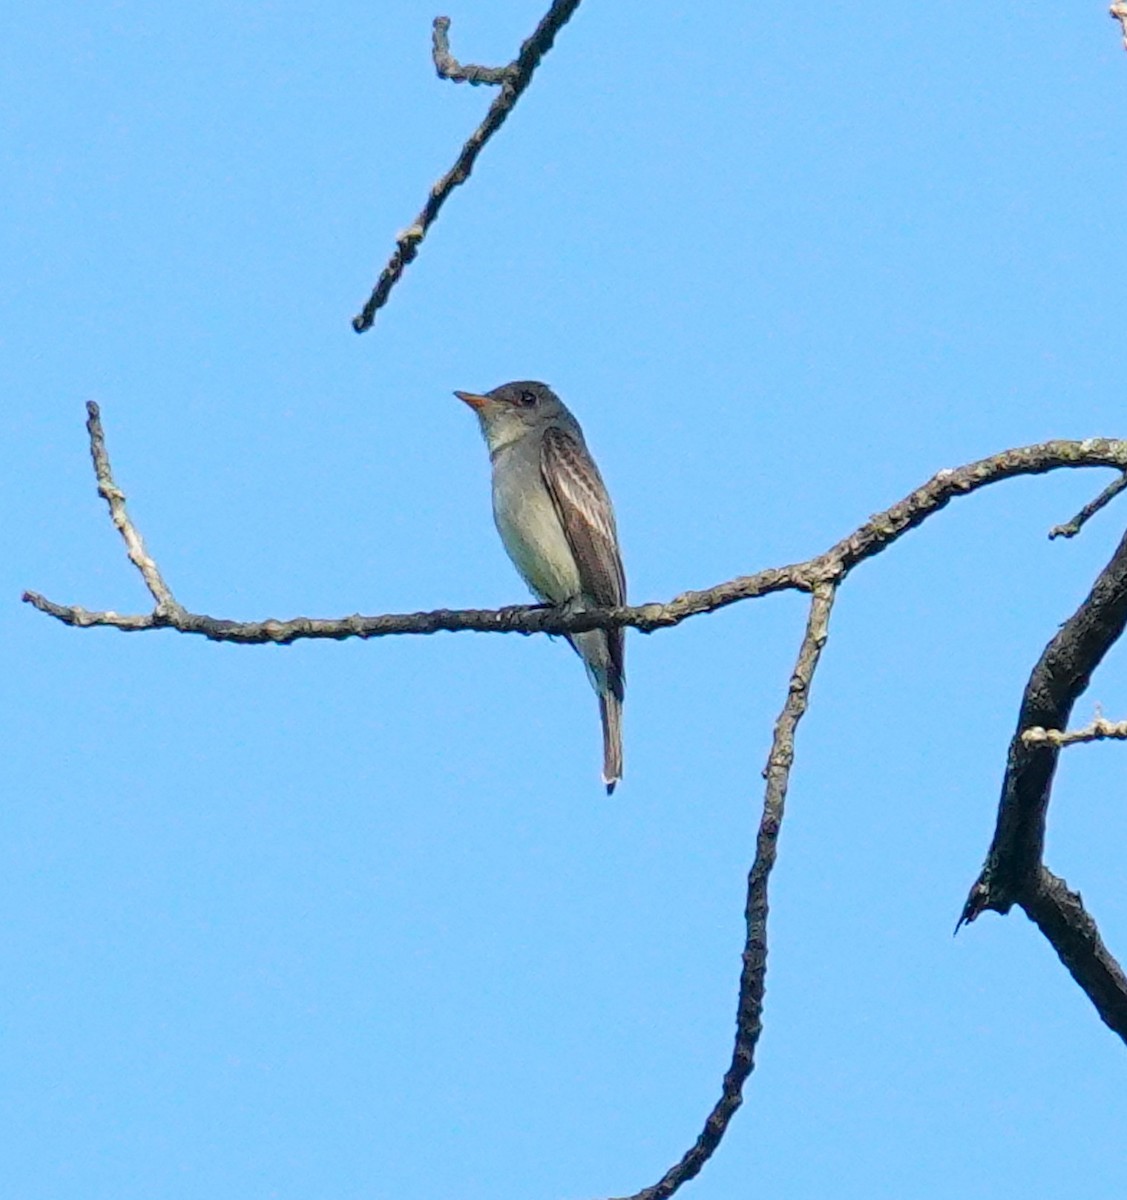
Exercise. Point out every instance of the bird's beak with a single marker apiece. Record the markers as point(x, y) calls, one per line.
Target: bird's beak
point(476, 402)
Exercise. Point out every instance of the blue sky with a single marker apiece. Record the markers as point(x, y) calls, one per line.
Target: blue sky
point(355, 920)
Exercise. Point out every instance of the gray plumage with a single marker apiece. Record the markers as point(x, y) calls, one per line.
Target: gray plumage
point(557, 525)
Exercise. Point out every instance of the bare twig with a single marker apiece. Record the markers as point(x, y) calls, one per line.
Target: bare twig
point(1073, 527)
point(875, 535)
point(1118, 12)
point(518, 75)
point(166, 604)
point(1096, 732)
point(1014, 872)
point(448, 67)
point(749, 1012)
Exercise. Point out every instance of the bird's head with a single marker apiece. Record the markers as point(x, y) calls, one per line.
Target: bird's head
point(512, 410)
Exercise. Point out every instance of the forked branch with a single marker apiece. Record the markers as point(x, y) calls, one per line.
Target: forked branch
point(448, 67)
point(866, 541)
point(513, 80)
point(1014, 872)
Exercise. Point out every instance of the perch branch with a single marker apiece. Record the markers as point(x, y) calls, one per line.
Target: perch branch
point(875, 535)
point(1014, 872)
point(517, 76)
point(749, 1012)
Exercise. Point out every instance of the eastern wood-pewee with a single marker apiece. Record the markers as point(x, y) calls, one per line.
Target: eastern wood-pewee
point(556, 521)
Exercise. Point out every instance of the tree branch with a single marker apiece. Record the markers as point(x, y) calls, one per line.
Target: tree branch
point(875, 535)
point(115, 498)
point(1096, 732)
point(749, 1011)
point(513, 80)
point(1014, 872)
point(1061, 917)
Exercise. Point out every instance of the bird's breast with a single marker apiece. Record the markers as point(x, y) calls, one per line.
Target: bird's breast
point(530, 528)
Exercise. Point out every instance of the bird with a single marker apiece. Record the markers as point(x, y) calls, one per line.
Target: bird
point(557, 524)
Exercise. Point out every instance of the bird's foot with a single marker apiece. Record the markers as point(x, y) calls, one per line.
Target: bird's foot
point(512, 610)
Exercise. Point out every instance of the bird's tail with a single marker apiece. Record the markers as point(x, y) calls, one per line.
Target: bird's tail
point(610, 709)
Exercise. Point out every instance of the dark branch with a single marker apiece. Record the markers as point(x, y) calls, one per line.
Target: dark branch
point(518, 75)
point(749, 1012)
point(1058, 680)
point(1061, 917)
point(448, 67)
point(1014, 872)
point(1073, 527)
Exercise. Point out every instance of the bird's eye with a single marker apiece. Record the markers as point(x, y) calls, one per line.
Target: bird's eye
point(527, 399)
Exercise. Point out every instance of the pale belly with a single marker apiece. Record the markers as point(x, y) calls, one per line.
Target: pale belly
point(533, 536)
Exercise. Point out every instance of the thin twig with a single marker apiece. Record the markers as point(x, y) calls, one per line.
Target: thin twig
point(518, 77)
point(1073, 527)
point(1096, 732)
point(448, 67)
point(749, 1012)
point(113, 495)
point(874, 536)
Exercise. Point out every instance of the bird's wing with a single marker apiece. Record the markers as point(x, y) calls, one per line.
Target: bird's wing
point(585, 512)
point(584, 509)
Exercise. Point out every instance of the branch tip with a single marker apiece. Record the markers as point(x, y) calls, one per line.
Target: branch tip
point(1073, 527)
